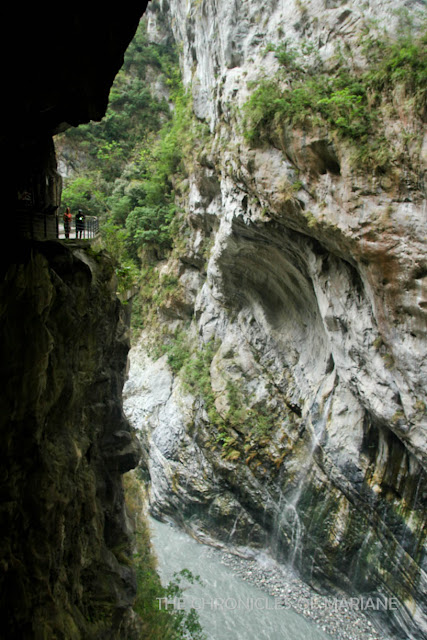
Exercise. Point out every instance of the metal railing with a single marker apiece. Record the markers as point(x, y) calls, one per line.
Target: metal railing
point(44, 226)
point(90, 229)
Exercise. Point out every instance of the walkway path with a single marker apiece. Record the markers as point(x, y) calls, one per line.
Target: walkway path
point(45, 226)
point(91, 229)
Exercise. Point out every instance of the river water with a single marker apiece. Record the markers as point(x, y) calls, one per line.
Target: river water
point(229, 608)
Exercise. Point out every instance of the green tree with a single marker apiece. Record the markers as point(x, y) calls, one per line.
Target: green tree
point(83, 193)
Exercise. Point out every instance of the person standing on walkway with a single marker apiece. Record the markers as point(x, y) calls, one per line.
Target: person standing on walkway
point(80, 224)
point(67, 222)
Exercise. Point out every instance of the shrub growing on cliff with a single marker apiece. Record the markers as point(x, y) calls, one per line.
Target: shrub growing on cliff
point(123, 165)
point(177, 350)
point(137, 158)
point(194, 367)
point(133, 109)
point(150, 225)
point(348, 102)
point(341, 102)
point(158, 622)
point(149, 207)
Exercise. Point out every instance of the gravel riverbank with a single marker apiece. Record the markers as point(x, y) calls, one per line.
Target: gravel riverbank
point(337, 618)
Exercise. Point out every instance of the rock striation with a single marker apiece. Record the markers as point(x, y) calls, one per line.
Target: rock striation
point(303, 281)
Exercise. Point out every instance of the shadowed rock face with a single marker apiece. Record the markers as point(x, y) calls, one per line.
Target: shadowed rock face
point(58, 75)
point(65, 442)
point(315, 298)
point(66, 64)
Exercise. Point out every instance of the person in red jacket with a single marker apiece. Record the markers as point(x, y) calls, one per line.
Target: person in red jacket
point(67, 222)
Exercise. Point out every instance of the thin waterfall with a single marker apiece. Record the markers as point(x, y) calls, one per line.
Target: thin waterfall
point(288, 516)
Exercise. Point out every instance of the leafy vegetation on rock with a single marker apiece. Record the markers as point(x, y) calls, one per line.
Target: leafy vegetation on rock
point(160, 621)
point(126, 168)
point(350, 102)
point(243, 423)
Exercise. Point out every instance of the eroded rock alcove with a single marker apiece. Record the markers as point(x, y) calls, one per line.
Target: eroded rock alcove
point(297, 422)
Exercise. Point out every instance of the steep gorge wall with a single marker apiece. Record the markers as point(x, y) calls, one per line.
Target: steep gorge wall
point(65, 538)
point(302, 278)
point(65, 549)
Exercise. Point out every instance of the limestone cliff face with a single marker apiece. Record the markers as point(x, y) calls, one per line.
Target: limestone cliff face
point(64, 534)
point(305, 280)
